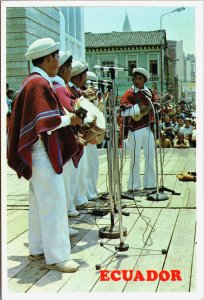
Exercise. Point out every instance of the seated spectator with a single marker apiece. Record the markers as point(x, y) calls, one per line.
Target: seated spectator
point(9, 99)
point(187, 129)
point(167, 108)
point(180, 142)
point(193, 138)
point(164, 141)
point(182, 109)
point(167, 127)
point(179, 125)
point(174, 120)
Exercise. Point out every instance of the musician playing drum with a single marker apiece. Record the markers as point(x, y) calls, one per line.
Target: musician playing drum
point(140, 117)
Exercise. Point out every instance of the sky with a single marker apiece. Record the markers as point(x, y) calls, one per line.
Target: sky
point(178, 25)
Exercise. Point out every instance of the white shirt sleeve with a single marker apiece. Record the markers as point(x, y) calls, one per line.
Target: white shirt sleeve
point(131, 111)
point(65, 121)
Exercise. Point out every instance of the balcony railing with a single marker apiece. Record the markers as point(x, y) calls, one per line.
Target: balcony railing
point(154, 78)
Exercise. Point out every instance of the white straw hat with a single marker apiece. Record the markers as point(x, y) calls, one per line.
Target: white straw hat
point(91, 76)
point(78, 67)
point(42, 47)
point(63, 57)
point(141, 71)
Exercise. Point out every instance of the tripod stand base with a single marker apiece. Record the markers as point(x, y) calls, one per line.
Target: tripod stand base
point(108, 233)
point(123, 196)
point(164, 189)
point(122, 247)
point(104, 196)
point(157, 197)
point(127, 197)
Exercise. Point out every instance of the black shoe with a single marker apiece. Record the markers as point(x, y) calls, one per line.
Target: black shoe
point(135, 190)
point(147, 189)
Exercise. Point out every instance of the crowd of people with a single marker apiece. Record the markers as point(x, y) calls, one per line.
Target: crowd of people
point(46, 146)
point(178, 125)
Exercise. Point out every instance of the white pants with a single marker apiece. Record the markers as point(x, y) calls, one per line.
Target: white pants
point(48, 221)
point(78, 182)
point(93, 169)
point(67, 177)
point(136, 140)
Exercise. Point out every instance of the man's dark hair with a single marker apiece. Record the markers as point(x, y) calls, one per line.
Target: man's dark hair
point(182, 101)
point(40, 60)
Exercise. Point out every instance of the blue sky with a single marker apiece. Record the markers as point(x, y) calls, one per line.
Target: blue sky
point(178, 25)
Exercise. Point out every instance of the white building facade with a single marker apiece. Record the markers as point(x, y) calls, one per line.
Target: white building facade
point(27, 24)
point(72, 31)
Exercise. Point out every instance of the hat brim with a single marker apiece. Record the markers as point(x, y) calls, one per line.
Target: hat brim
point(43, 52)
point(65, 57)
point(79, 71)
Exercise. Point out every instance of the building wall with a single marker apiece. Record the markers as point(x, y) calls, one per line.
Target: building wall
point(120, 59)
point(74, 31)
point(188, 70)
point(24, 25)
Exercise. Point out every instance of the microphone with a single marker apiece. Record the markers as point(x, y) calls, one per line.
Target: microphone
point(99, 68)
point(99, 82)
point(105, 81)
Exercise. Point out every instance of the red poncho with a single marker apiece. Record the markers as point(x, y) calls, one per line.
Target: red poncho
point(36, 111)
point(68, 101)
point(130, 98)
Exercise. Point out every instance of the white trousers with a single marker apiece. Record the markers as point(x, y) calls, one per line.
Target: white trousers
point(78, 182)
point(136, 140)
point(67, 177)
point(93, 169)
point(48, 221)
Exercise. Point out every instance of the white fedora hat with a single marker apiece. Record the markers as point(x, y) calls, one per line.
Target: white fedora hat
point(42, 47)
point(63, 57)
point(78, 67)
point(91, 76)
point(141, 71)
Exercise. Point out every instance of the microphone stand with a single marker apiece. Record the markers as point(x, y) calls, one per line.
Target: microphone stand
point(112, 231)
point(156, 196)
point(162, 188)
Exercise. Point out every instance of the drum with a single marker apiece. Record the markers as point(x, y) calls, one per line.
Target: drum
point(93, 131)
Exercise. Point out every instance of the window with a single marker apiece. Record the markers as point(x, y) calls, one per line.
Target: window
point(71, 21)
point(153, 67)
point(64, 11)
point(131, 65)
point(107, 64)
point(78, 23)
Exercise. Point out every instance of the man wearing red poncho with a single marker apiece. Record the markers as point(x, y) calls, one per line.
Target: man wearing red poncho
point(137, 102)
point(38, 148)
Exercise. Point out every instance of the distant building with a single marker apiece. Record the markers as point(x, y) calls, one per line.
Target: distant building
point(179, 64)
point(130, 50)
point(190, 91)
point(126, 25)
point(72, 31)
point(185, 70)
point(27, 24)
point(172, 76)
point(190, 68)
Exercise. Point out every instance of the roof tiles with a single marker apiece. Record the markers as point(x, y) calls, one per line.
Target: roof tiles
point(124, 39)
